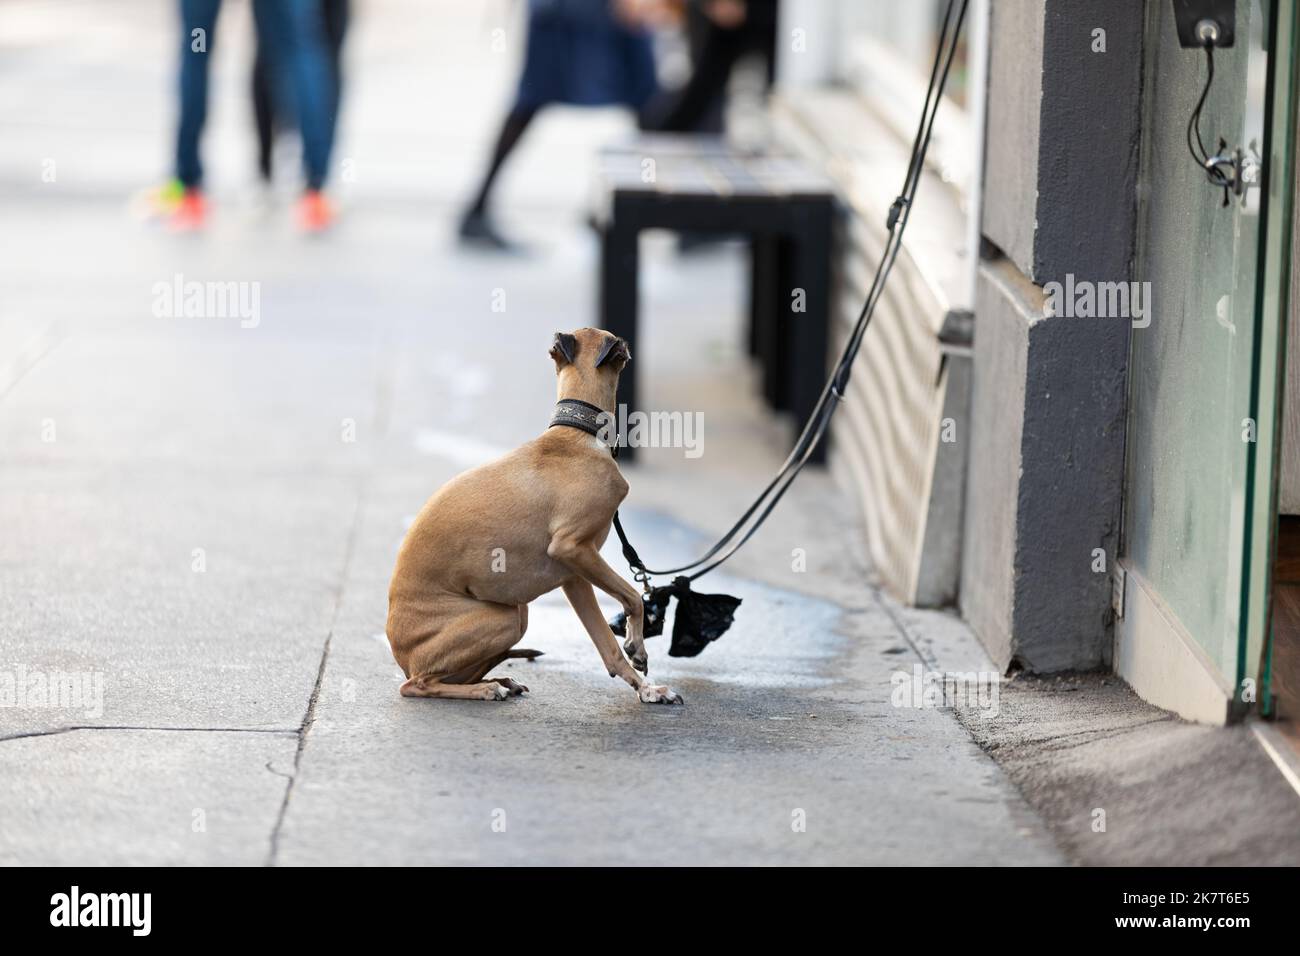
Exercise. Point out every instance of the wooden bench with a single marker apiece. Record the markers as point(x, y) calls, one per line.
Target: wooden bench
point(700, 185)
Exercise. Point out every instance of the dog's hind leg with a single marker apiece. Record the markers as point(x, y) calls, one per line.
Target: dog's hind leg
point(526, 653)
point(470, 688)
point(431, 687)
point(452, 662)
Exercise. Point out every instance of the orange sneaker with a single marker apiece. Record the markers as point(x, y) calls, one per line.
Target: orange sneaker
point(315, 213)
point(191, 213)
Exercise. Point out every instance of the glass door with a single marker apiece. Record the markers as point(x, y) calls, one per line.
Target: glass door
point(1201, 443)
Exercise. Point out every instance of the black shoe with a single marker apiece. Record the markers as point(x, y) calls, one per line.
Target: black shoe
point(477, 230)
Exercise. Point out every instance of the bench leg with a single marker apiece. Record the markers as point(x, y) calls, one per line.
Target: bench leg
point(806, 335)
point(763, 292)
point(618, 307)
point(777, 363)
point(765, 317)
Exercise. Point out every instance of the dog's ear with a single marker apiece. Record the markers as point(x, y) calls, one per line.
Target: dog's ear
point(614, 351)
point(564, 349)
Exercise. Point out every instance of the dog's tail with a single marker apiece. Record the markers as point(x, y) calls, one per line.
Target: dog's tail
point(527, 653)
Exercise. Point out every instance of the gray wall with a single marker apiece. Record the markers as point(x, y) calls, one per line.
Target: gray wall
point(1011, 144)
point(1046, 464)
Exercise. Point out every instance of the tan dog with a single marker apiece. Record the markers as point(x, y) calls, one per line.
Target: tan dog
point(498, 536)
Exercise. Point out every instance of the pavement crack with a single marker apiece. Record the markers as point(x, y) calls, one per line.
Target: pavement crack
point(309, 717)
point(30, 354)
point(147, 728)
point(926, 659)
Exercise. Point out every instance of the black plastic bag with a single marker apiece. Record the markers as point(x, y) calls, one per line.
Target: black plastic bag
point(701, 618)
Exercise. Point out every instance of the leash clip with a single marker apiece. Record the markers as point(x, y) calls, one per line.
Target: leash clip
point(642, 577)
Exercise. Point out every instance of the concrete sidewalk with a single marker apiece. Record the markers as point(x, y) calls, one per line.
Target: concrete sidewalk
point(204, 516)
point(251, 710)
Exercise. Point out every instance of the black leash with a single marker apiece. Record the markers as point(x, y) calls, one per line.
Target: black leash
point(701, 617)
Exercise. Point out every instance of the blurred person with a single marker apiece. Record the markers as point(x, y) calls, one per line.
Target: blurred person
point(293, 34)
point(579, 53)
point(721, 33)
point(271, 106)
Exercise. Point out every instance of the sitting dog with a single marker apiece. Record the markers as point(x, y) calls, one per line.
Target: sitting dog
point(501, 535)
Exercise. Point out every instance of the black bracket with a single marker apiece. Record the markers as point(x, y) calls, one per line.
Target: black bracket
point(1206, 20)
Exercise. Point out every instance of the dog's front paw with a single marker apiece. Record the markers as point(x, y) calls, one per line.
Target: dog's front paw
point(659, 694)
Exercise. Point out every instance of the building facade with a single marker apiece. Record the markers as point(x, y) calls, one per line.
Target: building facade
point(1070, 419)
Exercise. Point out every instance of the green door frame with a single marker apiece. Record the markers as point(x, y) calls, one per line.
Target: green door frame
point(1268, 364)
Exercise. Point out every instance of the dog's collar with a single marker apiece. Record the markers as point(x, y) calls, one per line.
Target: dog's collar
point(579, 414)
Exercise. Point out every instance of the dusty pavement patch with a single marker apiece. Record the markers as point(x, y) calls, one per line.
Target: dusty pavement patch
point(1173, 793)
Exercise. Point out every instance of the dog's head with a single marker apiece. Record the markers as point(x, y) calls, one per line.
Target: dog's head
point(590, 356)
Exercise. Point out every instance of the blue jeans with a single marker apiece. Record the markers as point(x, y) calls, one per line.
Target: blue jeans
point(292, 33)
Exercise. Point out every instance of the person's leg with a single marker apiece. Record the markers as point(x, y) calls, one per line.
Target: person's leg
point(336, 15)
point(313, 87)
point(263, 108)
point(687, 109)
point(292, 33)
point(198, 19)
point(476, 226)
point(512, 130)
